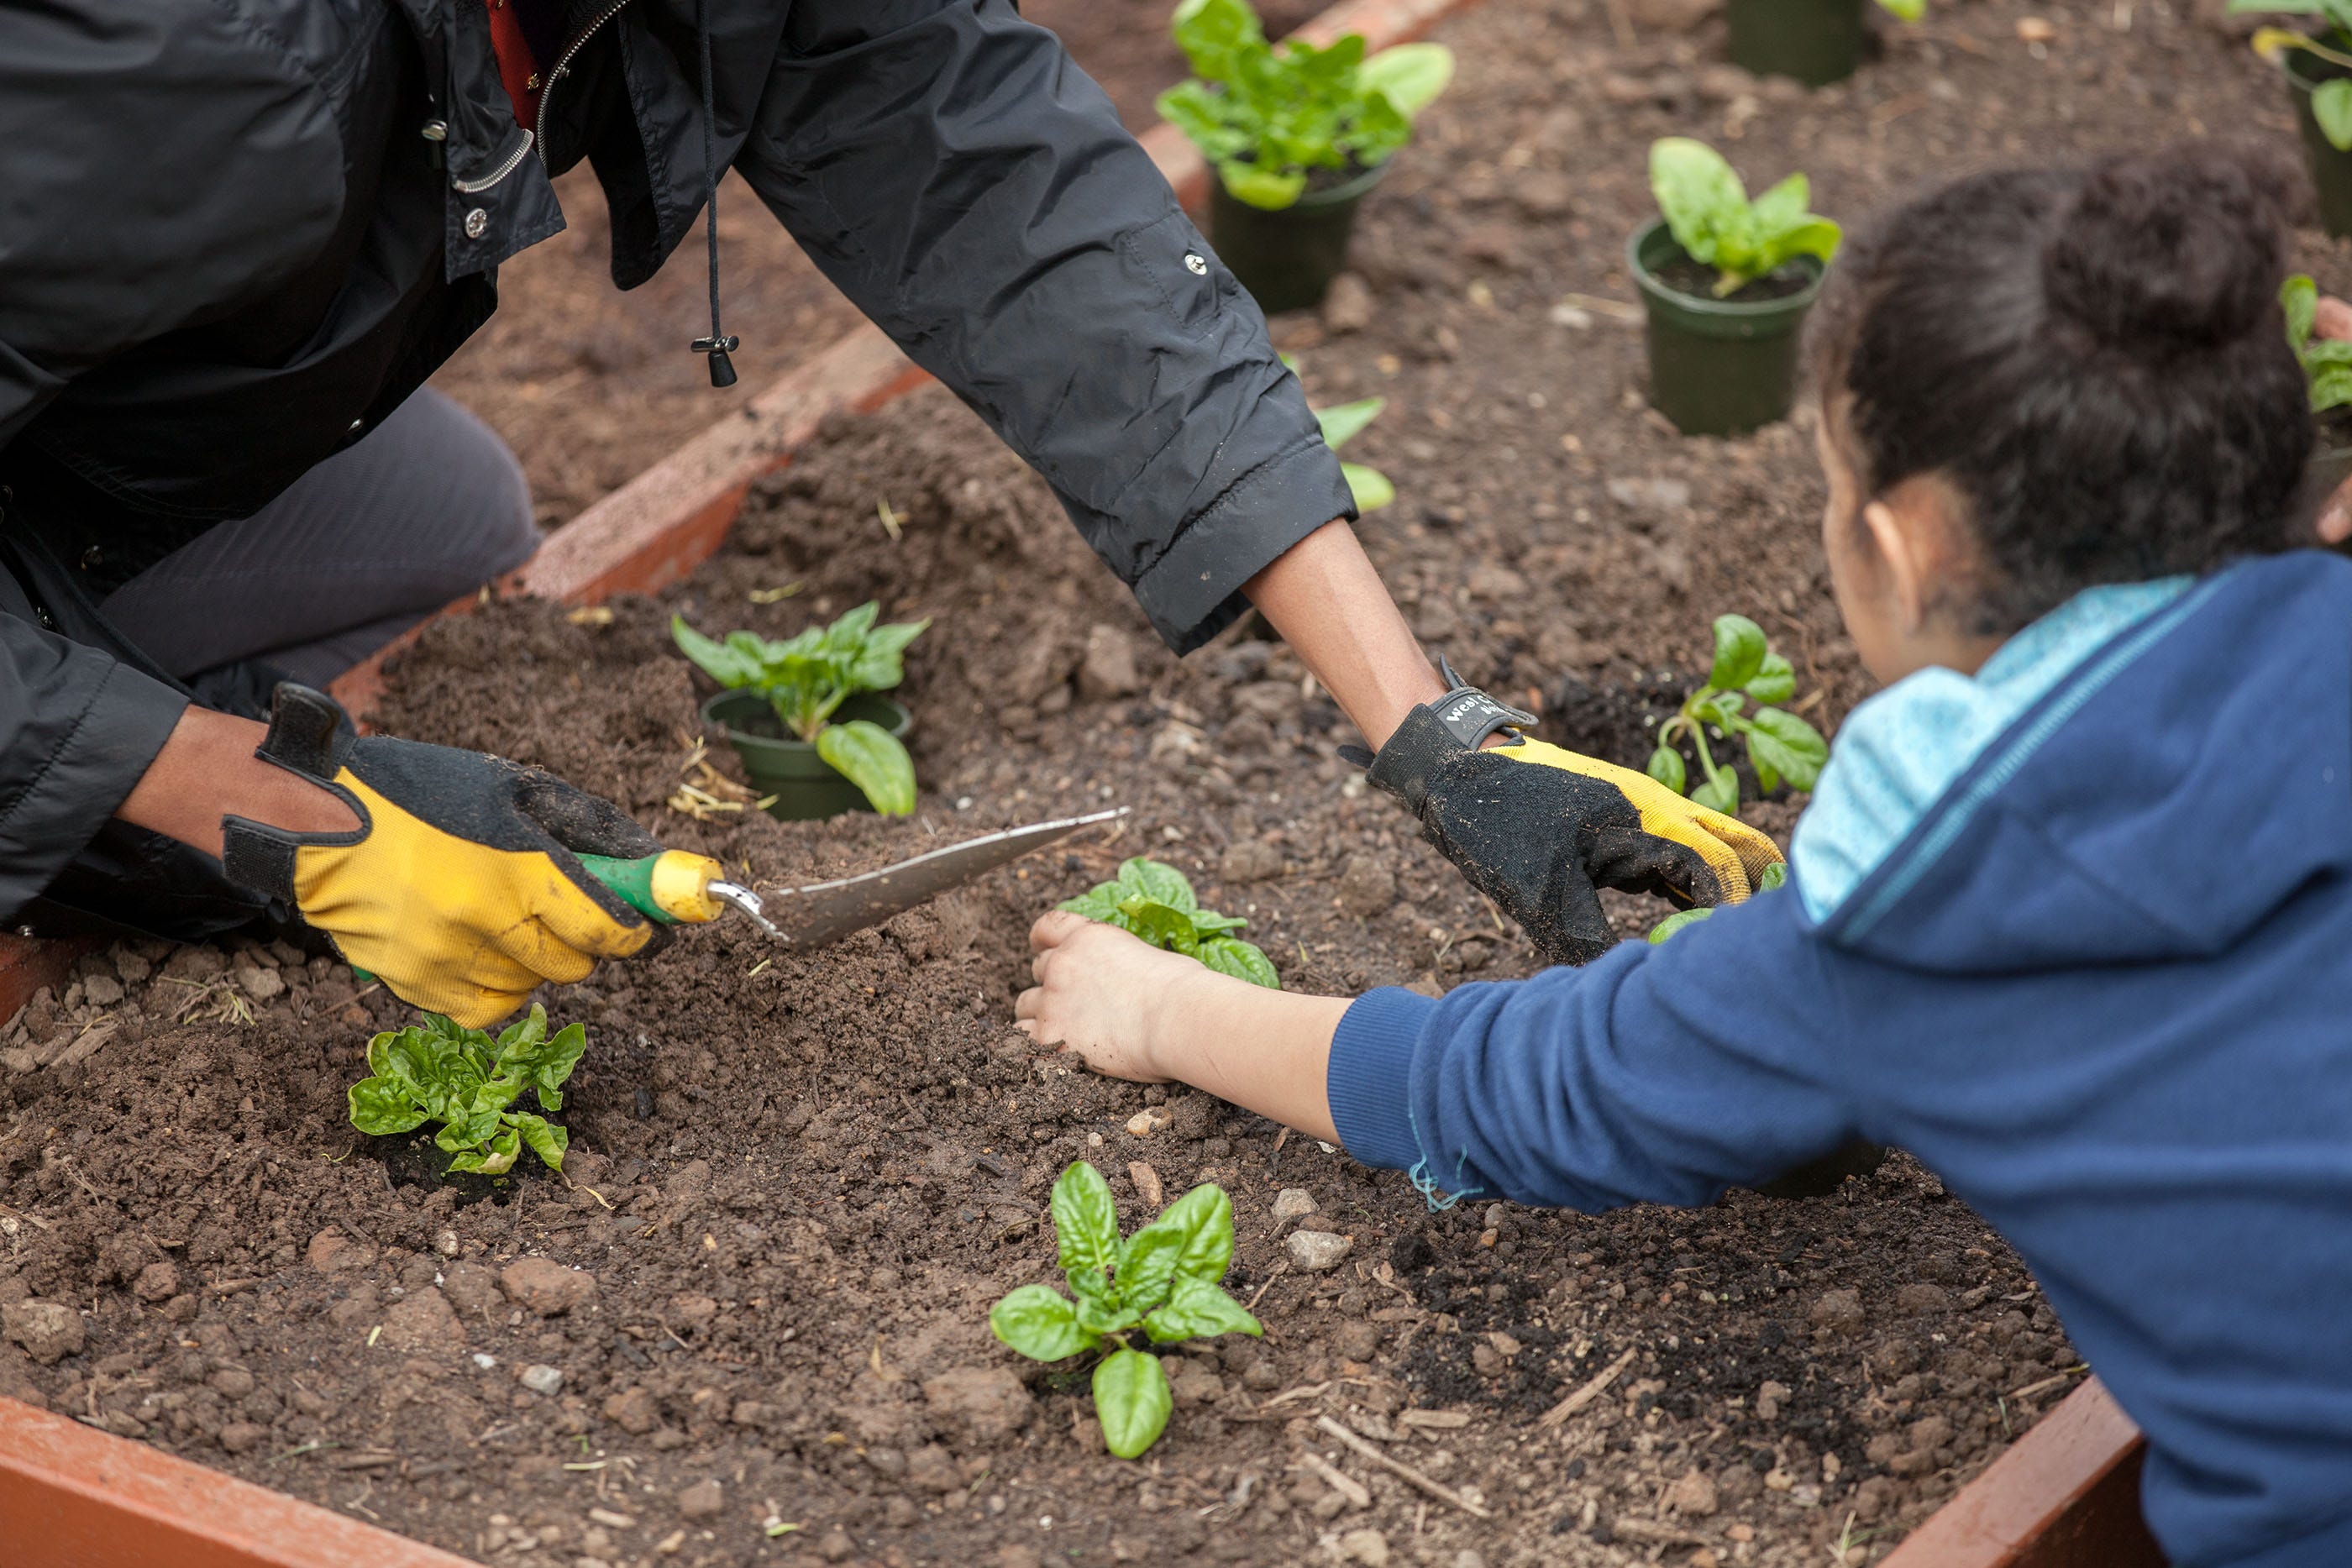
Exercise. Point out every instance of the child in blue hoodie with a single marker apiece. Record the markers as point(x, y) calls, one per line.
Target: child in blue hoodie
point(2070, 916)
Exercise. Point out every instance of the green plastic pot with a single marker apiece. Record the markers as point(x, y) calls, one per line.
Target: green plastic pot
point(1287, 258)
point(1717, 367)
point(2331, 170)
point(804, 785)
point(1816, 41)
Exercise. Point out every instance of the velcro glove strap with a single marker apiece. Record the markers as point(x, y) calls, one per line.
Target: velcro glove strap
point(461, 889)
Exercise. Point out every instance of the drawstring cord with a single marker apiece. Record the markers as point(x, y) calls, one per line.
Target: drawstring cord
point(717, 345)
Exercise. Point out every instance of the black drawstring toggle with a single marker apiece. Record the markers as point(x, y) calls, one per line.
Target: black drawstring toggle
point(722, 369)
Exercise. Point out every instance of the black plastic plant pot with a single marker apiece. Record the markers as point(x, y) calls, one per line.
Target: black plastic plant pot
point(1719, 367)
point(1286, 257)
point(805, 784)
point(1815, 41)
point(2331, 170)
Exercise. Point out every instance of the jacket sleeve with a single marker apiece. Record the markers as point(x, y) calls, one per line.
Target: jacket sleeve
point(972, 191)
point(1655, 1074)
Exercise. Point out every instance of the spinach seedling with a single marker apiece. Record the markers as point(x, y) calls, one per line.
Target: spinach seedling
point(1704, 202)
point(1266, 118)
point(1775, 875)
point(1163, 1279)
point(2331, 100)
point(1779, 744)
point(1156, 903)
point(441, 1071)
point(805, 678)
point(2327, 362)
point(1340, 424)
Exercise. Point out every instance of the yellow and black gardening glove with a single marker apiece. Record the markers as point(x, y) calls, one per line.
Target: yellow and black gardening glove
point(1538, 828)
point(460, 890)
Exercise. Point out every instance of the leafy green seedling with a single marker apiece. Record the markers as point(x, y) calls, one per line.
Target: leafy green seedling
point(2331, 100)
point(1267, 117)
point(2325, 361)
point(1779, 744)
point(1163, 1279)
point(1156, 903)
point(1340, 422)
point(441, 1071)
point(805, 678)
point(1775, 875)
point(1704, 202)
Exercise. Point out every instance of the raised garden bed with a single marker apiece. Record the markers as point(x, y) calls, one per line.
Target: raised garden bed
point(799, 1181)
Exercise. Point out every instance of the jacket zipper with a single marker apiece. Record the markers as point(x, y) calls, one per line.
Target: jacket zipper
point(513, 160)
point(562, 67)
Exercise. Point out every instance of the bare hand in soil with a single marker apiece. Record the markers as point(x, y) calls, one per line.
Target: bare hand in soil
point(1098, 992)
point(2335, 320)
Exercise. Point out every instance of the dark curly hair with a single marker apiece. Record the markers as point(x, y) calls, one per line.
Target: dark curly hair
point(2095, 358)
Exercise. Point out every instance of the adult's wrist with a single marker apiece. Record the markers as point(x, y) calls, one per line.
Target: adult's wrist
point(208, 771)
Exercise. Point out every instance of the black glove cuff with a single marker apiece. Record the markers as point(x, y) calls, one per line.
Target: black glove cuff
point(307, 728)
point(1458, 722)
point(1469, 714)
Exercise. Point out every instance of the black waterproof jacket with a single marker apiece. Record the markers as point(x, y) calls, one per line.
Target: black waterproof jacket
point(236, 233)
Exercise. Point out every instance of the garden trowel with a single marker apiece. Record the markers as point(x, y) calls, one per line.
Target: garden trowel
point(675, 887)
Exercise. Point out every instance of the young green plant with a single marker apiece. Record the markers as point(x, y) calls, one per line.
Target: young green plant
point(1781, 745)
point(2331, 100)
point(2327, 362)
point(1163, 1281)
point(1265, 117)
point(1706, 205)
point(1156, 902)
point(806, 678)
point(1775, 875)
point(467, 1081)
point(1340, 424)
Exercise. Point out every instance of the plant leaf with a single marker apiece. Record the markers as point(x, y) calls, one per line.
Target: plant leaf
point(1409, 76)
point(2299, 299)
point(729, 666)
point(1676, 922)
point(1794, 748)
point(1159, 883)
point(1666, 767)
point(1369, 488)
point(1904, 10)
point(1209, 923)
point(1242, 960)
point(1253, 185)
point(1131, 1401)
point(1739, 650)
point(1340, 421)
point(544, 1138)
point(1775, 681)
point(1720, 793)
point(1085, 1219)
point(1193, 1238)
point(1163, 927)
point(1107, 1312)
point(1700, 197)
point(2331, 105)
point(872, 758)
point(1198, 1309)
point(381, 1107)
point(1041, 1324)
point(1772, 876)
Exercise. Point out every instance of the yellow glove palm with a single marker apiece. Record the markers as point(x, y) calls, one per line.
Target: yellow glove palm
point(1736, 853)
point(460, 890)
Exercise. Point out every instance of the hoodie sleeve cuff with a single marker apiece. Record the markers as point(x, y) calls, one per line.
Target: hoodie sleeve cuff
point(1194, 590)
point(1369, 1081)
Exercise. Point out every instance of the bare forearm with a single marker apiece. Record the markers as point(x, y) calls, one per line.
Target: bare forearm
point(1324, 598)
point(1267, 1051)
point(208, 771)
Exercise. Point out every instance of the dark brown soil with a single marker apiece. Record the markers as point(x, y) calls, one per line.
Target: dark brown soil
point(590, 385)
point(799, 1180)
point(1688, 279)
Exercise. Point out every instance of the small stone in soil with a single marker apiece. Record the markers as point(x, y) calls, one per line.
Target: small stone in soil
point(1366, 887)
point(49, 1330)
point(1693, 1494)
point(983, 1404)
point(701, 1500)
point(834, 1547)
point(331, 1250)
point(542, 1378)
point(1316, 1250)
point(633, 1410)
point(1107, 669)
point(157, 1282)
point(546, 1287)
point(242, 1437)
point(1840, 1312)
point(1293, 1203)
point(422, 1321)
point(1921, 1298)
point(1369, 1547)
point(1358, 1341)
point(1146, 1184)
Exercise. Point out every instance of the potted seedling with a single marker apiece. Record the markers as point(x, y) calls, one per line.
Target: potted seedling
point(2318, 72)
point(1736, 702)
point(1726, 283)
point(2327, 363)
point(469, 1081)
point(1815, 41)
point(1296, 135)
point(806, 717)
point(1156, 903)
point(1160, 1282)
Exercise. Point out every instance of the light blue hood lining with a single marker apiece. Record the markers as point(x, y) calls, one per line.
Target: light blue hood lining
point(1900, 752)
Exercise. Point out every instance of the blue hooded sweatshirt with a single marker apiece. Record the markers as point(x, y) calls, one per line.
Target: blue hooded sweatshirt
point(2076, 932)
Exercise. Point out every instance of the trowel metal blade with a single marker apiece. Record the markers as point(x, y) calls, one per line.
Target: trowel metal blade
point(828, 911)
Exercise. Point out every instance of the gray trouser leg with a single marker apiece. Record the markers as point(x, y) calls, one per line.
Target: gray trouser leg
point(425, 509)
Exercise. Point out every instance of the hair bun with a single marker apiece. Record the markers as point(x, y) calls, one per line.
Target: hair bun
point(2177, 249)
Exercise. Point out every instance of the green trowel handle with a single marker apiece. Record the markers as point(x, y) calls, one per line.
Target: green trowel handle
point(668, 887)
